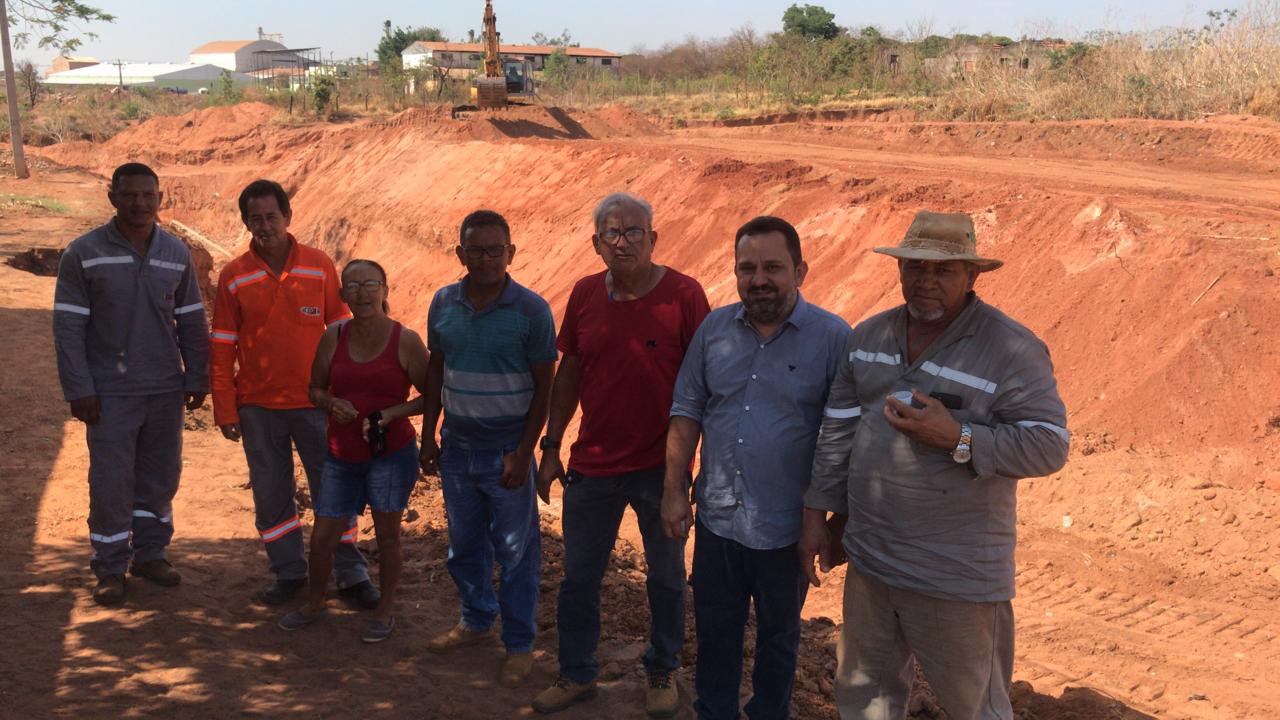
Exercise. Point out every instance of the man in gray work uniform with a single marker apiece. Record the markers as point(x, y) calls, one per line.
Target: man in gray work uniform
point(938, 408)
point(132, 343)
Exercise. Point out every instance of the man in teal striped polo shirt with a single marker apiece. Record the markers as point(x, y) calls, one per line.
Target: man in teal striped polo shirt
point(493, 354)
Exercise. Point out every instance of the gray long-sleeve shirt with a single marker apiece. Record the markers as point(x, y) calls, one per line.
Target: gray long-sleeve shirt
point(917, 519)
point(759, 403)
point(125, 324)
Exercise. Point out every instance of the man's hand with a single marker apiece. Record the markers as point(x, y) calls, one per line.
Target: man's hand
point(87, 410)
point(343, 411)
point(231, 431)
point(677, 511)
point(549, 471)
point(815, 541)
point(429, 456)
point(194, 400)
point(931, 425)
point(515, 468)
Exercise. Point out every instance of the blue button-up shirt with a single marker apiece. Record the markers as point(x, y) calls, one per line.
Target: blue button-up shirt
point(759, 402)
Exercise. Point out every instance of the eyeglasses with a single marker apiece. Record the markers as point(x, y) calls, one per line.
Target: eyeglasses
point(370, 285)
point(633, 235)
point(477, 252)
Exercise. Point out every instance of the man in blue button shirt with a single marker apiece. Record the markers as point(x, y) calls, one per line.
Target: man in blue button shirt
point(753, 385)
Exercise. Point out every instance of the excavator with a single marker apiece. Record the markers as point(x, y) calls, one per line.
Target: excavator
point(500, 80)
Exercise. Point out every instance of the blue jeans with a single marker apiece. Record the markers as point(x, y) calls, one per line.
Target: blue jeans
point(727, 578)
point(383, 483)
point(488, 522)
point(593, 508)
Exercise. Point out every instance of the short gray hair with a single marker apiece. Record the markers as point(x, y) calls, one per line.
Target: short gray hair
point(621, 198)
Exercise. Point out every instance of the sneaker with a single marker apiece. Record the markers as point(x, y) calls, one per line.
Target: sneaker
point(377, 631)
point(563, 693)
point(110, 590)
point(458, 636)
point(158, 571)
point(662, 699)
point(363, 595)
point(282, 591)
point(515, 669)
point(298, 619)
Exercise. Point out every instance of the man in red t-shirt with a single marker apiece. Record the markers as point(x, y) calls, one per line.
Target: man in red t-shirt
point(624, 335)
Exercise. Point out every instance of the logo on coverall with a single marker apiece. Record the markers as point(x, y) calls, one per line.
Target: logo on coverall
point(310, 310)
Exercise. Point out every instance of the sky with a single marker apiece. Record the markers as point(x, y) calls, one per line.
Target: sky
point(159, 31)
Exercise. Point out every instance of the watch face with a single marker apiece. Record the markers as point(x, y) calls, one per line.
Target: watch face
point(961, 455)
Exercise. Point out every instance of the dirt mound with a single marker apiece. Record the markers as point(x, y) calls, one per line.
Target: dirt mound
point(37, 261)
point(1229, 142)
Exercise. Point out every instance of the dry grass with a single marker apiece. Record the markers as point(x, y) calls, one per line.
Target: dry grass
point(1229, 67)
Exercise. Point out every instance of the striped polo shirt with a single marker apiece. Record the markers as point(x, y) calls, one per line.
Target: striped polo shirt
point(489, 357)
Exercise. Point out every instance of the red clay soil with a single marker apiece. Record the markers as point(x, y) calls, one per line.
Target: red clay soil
point(1144, 253)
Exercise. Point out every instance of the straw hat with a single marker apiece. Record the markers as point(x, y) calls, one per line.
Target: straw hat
point(939, 237)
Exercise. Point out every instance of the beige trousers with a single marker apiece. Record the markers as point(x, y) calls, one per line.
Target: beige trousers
point(965, 650)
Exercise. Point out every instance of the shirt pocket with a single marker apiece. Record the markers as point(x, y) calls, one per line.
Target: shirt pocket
point(162, 287)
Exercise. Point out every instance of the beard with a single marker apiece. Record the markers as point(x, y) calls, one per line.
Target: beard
point(925, 315)
point(769, 309)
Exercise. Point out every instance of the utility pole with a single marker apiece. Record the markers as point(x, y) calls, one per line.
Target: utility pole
point(120, 71)
point(11, 93)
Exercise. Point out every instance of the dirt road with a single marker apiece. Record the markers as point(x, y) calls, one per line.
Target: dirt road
point(1148, 570)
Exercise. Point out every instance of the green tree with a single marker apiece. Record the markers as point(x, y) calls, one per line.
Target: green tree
point(56, 22)
point(811, 21)
point(557, 65)
point(564, 39)
point(322, 90)
point(53, 23)
point(934, 46)
point(395, 40)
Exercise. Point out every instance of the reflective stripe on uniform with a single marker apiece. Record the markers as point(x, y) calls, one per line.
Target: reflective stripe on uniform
point(352, 534)
point(109, 260)
point(875, 357)
point(224, 336)
point(167, 265)
point(947, 373)
point(247, 279)
point(313, 272)
point(118, 537)
point(188, 308)
point(281, 530)
point(1058, 430)
point(147, 513)
point(68, 307)
point(842, 413)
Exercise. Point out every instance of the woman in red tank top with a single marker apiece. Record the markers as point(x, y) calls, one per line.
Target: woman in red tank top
point(362, 368)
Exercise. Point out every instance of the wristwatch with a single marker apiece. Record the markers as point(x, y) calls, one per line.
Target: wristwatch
point(963, 454)
point(546, 443)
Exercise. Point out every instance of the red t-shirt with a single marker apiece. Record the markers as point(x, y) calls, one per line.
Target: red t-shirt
point(630, 353)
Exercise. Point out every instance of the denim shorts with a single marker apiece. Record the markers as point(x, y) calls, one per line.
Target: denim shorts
point(383, 484)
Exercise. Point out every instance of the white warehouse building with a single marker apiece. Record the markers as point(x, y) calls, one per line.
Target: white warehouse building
point(190, 77)
point(234, 55)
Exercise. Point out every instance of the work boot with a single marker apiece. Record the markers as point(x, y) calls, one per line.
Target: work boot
point(563, 693)
point(363, 595)
point(158, 571)
point(282, 591)
point(515, 669)
point(110, 590)
point(662, 698)
point(458, 636)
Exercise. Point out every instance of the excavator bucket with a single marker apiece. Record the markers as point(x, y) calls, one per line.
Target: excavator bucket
point(489, 92)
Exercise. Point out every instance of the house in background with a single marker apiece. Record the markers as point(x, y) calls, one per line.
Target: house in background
point(62, 63)
point(461, 59)
point(183, 76)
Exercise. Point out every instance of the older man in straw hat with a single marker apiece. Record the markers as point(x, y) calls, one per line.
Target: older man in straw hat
point(939, 407)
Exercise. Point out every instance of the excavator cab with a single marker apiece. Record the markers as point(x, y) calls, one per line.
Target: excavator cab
point(519, 75)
